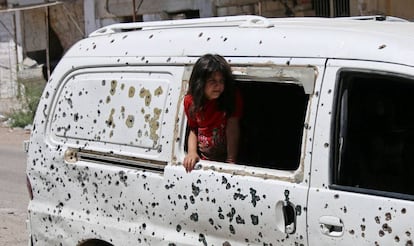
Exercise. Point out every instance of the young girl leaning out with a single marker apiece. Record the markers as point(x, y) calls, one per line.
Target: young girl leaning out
point(213, 108)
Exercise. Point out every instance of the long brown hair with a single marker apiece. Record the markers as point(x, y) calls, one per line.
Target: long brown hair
point(203, 69)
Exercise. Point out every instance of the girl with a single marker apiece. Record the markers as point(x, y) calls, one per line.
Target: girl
point(213, 109)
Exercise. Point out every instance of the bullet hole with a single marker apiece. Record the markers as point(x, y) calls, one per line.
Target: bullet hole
point(260, 42)
point(47, 95)
point(221, 216)
point(388, 216)
point(131, 91)
point(208, 39)
point(158, 91)
point(226, 243)
point(113, 87)
point(255, 219)
point(232, 231)
point(363, 227)
point(403, 211)
point(386, 228)
point(382, 46)
point(151, 36)
point(211, 221)
point(110, 121)
point(352, 232)
point(381, 233)
point(124, 37)
point(408, 233)
point(130, 121)
point(94, 46)
point(396, 239)
point(336, 196)
point(200, 34)
point(255, 198)
point(113, 40)
point(196, 190)
point(239, 196)
point(144, 93)
point(409, 243)
point(239, 220)
point(329, 91)
point(194, 217)
point(326, 145)
point(231, 214)
point(108, 99)
point(202, 238)
point(377, 220)
point(225, 39)
point(169, 59)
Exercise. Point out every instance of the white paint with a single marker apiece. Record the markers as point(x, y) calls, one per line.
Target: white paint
point(124, 202)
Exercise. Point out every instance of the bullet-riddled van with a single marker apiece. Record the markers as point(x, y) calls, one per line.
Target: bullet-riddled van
point(325, 153)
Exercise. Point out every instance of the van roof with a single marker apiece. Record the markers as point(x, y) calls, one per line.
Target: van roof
point(255, 36)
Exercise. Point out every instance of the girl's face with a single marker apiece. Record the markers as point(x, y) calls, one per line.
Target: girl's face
point(214, 86)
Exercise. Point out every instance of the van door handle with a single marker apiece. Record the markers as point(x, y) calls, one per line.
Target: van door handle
point(331, 226)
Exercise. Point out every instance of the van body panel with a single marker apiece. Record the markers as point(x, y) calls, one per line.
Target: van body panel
point(176, 207)
point(130, 110)
point(370, 41)
point(366, 215)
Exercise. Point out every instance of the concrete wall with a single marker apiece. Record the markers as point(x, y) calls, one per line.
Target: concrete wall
point(67, 20)
point(399, 8)
point(9, 89)
point(161, 9)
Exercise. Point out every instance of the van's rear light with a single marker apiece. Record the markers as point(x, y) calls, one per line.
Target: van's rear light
point(29, 187)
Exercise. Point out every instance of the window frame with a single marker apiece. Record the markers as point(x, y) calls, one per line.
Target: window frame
point(271, 74)
point(334, 156)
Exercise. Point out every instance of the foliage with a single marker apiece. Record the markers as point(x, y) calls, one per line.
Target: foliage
point(32, 91)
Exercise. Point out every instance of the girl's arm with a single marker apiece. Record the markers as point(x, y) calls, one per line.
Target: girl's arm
point(232, 135)
point(192, 156)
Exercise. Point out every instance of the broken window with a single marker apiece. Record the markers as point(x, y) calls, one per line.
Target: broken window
point(374, 133)
point(275, 101)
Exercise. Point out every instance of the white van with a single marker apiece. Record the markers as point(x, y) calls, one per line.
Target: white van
point(326, 150)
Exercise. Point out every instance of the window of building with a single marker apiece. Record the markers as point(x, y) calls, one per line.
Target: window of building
point(323, 8)
point(374, 132)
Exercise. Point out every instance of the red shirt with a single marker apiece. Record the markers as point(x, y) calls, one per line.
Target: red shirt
point(210, 126)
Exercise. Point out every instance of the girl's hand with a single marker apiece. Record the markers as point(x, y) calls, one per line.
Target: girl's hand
point(190, 160)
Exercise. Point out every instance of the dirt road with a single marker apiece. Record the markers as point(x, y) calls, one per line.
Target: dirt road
point(13, 193)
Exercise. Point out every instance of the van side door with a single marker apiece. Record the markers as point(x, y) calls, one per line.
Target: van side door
point(261, 199)
point(361, 187)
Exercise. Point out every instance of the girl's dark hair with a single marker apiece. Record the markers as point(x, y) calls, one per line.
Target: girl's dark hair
point(203, 69)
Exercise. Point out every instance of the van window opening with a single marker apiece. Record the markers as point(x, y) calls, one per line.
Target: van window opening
point(374, 132)
point(272, 124)
point(271, 127)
